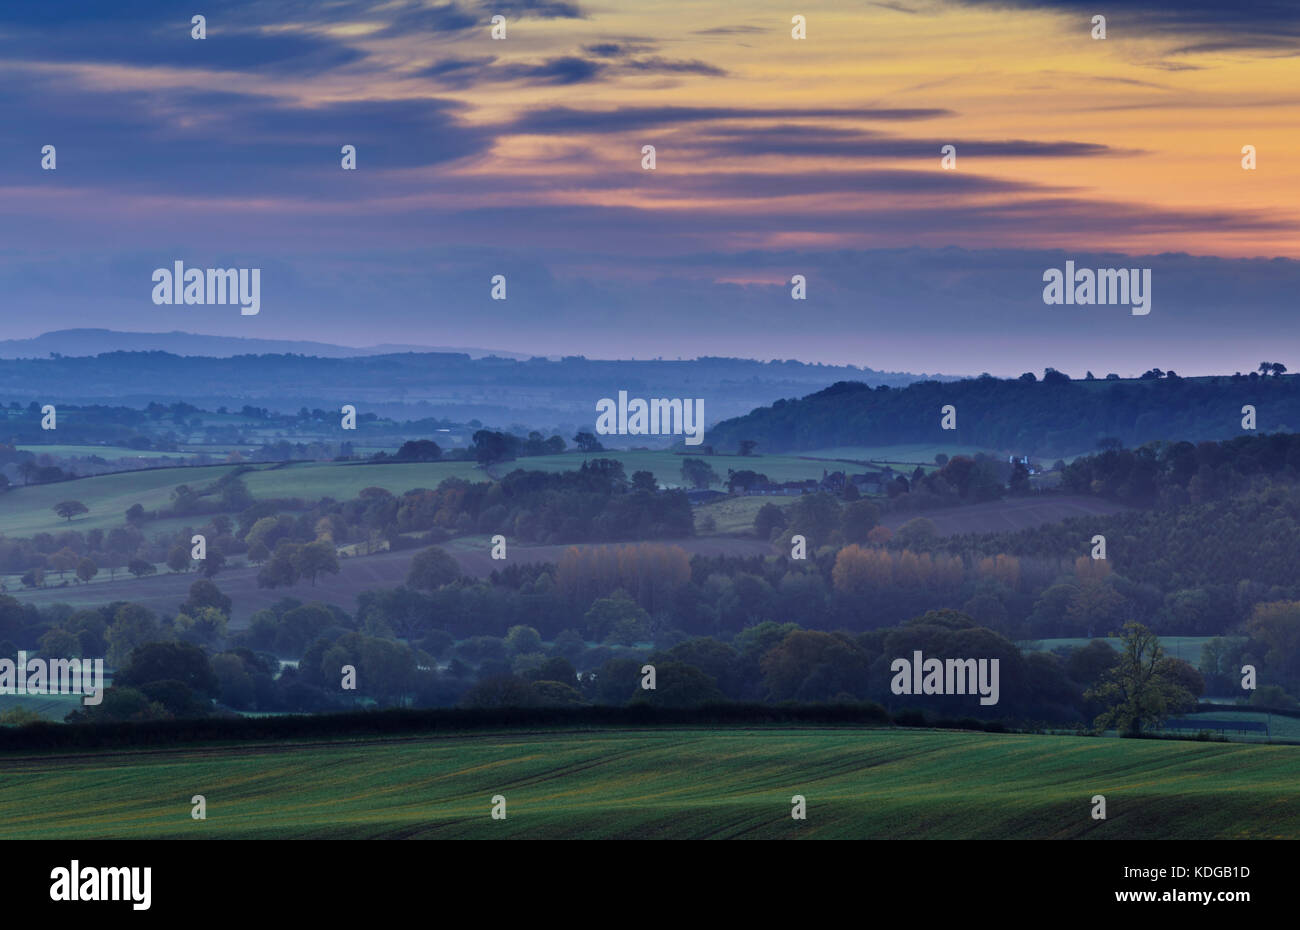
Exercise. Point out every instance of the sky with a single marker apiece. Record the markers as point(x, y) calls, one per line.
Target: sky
point(775, 157)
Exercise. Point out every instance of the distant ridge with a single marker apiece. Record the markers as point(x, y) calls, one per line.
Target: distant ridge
point(87, 342)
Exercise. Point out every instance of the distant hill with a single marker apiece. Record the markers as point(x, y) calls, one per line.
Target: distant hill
point(1040, 418)
point(496, 391)
point(87, 342)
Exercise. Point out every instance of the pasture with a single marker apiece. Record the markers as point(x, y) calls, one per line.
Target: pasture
point(678, 783)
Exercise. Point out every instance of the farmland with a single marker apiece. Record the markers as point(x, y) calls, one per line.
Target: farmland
point(107, 453)
point(1016, 513)
point(670, 783)
point(27, 510)
point(165, 591)
point(667, 466)
point(906, 454)
point(736, 515)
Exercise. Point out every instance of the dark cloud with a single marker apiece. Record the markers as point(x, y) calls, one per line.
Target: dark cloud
point(1285, 47)
point(821, 141)
point(762, 185)
point(543, 9)
point(673, 66)
point(460, 73)
point(156, 33)
point(564, 70)
point(468, 72)
point(606, 49)
point(213, 143)
point(409, 17)
point(728, 31)
point(567, 119)
point(1227, 25)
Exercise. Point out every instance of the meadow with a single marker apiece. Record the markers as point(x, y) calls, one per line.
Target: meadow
point(1187, 648)
point(27, 510)
point(165, 591)
point(909, 454)
point(667, 466)
point(717, 783)
point(108, 453)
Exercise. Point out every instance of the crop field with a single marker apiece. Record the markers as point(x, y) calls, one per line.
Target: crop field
point(667, 466)
point(1009, 515)
point(670, 783)
point(25, 511)
point(167, 590)
point(911, 454)
point(108, 453)
point(1280, 727)
point(314, 480)
point(736, 514)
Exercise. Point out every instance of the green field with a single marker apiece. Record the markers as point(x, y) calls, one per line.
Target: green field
point(736, 514)
point(1187, 648)
point(52, 707)
point(1280, 727)
point(667, 466)
point(109, 453)
point(913, 454)
point(28, 510)
point(314, 480)
point(679, 783)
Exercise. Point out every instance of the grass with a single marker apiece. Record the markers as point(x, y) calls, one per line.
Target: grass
point(667, 466)
point(736, 514)
point(679, 783)
point(1279, 727)
point(314, 480)
point(1187, 648)
point(911, 454)
point(28, 510)
point(108, 453)
point(53, 707)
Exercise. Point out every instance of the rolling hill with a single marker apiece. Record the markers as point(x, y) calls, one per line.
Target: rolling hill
point(669, 783)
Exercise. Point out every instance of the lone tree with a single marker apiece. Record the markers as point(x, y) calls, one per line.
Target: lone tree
point(316, 558)
point(587, 442)
point(431, 569)
point(1140, 689)
point(698, 473)
point(69, 509)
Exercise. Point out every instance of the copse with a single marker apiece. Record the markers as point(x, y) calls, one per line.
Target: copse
point(431, 569)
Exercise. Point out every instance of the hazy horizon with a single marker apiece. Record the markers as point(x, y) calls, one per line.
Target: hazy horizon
point(775, 157)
